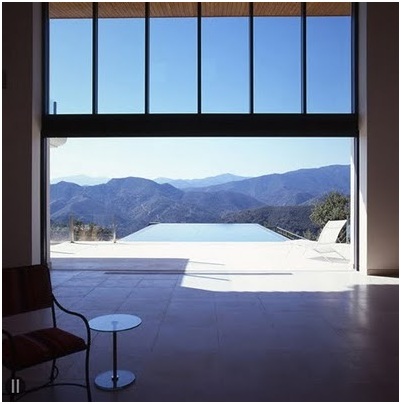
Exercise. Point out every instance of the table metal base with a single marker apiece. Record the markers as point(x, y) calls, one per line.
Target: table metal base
point(105, 381)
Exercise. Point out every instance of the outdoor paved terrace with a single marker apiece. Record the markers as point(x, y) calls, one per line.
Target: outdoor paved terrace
point(188, 257)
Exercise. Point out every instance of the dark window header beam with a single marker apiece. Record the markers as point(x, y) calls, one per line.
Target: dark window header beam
point(205, 125)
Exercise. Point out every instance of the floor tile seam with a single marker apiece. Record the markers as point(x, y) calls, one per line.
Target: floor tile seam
point(129, 295)
point(332, 327)
point(156, 337)
point(219, 342)
point(124, 301)
point(265, 311)
point(91, 289)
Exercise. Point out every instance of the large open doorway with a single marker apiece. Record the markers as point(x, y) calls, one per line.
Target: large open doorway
point(201, 204)
point(268, 88)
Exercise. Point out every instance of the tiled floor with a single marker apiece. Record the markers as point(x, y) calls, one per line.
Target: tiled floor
point(302, 336)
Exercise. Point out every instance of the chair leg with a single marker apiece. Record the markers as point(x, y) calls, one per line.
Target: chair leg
point(88, 387)
point(53, 371)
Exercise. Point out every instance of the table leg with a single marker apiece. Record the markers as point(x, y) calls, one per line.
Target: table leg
point(115, 375)
point(114, 379)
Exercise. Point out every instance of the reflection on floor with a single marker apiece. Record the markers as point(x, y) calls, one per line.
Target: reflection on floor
point(289, 336)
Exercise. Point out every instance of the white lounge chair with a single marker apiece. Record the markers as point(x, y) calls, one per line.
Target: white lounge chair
point(327, 241)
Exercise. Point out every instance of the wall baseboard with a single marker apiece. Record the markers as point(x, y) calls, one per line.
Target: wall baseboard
point(392, 273)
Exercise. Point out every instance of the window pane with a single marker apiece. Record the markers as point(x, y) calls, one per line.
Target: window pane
point(277, 64)
point(328, 59)
point(173, 65)
point(121, 58)
point(70, 67)
point(225, 64)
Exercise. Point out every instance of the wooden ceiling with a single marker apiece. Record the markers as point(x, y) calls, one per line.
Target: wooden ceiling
point(185, 9)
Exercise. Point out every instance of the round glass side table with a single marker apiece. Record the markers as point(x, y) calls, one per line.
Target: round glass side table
point(115, 379)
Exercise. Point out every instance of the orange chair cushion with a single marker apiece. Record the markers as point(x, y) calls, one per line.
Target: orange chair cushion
point(40, 346)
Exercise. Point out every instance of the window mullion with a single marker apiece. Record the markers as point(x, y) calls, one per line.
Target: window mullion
point(95, 57)
point(303, 59)
point(147, 56)
point(199, 56)
point(251, 60)
point(354, 58)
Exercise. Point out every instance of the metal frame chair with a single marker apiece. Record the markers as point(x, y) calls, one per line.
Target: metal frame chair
point(27, 289)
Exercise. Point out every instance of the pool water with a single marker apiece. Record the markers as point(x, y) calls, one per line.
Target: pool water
point(209, 232)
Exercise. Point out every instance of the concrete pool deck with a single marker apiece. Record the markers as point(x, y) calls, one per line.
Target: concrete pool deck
point(180, 257)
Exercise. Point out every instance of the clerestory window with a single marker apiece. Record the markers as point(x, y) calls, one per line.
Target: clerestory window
point(185, 58)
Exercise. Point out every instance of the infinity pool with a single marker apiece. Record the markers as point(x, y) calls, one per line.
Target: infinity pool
point(204, 232)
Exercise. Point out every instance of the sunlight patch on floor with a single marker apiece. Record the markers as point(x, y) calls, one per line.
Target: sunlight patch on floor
point(284, 282)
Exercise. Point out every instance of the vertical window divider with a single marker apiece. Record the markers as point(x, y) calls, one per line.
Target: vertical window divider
point(303, 59)
point(95, 56)
point(199, 56)
point(45, 60)
point(354, 57)
point(356, 201)
point(355, 109)
point(44, 192)
point(251, 61)
point(147, 56)
point(44, 174)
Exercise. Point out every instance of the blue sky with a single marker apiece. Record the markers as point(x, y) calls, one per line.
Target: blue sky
point(194, 157)
point(225, 88)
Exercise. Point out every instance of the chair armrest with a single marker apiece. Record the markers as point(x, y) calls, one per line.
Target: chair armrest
point(74, 313)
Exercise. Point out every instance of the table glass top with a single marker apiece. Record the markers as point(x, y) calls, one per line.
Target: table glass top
point(114, 322)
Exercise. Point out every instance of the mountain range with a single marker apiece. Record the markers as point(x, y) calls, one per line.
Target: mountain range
point(291, 188)
point(181, 184)
point(202, 182)
point(134, 202)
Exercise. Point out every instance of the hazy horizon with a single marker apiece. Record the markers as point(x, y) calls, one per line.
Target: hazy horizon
point(103, 179)
point(194, 158)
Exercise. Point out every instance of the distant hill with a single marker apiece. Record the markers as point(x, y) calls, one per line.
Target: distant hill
point(291, 188)
point(134, 202)
point(293, 218)
point(273, 200)
point(203, 182)
point(81, 180)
